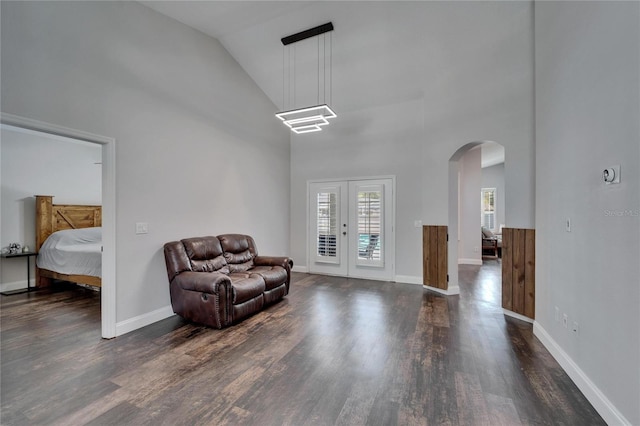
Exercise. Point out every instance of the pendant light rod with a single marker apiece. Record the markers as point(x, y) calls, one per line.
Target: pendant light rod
point(311, 32)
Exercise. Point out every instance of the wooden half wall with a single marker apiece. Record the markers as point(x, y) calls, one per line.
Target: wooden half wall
point(434, 256)
point(518, 271)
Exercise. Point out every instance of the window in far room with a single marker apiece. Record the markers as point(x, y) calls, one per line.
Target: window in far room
point(488, 208)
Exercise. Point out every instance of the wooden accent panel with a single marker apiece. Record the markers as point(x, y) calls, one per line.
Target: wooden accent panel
point(507, 269)
point(44, 221)
point(530, 273)
point(518, 271)
point(434, 256)
point(57, 217)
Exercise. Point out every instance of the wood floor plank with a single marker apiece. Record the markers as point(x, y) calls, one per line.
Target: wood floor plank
point(335, 351)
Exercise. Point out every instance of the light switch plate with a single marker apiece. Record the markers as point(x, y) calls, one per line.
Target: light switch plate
point(142, 228)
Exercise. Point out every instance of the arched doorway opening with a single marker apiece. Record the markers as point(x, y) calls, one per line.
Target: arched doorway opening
point(476, 199)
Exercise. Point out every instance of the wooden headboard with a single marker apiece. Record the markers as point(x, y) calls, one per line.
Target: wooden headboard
point(56, 217)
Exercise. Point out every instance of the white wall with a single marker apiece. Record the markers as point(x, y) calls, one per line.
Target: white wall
point(198, 151)
point(493, 177)
point(587, 109)
point(371, 145)
point(469, 240)
point(477, 63)
point(33, 164)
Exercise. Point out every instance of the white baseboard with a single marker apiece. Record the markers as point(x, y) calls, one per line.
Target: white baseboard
point(451, 291)
point(470, 262)
point(517, 316)
point(140, 321)
point(408, 279)
point(302, 269)
point(16, 285)
point(600, 402)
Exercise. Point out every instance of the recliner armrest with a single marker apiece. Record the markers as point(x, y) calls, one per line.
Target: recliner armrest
point(285, 262)
point(203, 282)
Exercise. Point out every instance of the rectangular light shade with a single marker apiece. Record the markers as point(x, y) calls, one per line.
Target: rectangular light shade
point(306, 129)
point(317, 120)
point(309, 119)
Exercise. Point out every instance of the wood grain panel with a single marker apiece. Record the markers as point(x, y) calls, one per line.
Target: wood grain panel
point(507, 268)
point(57, 217)
point(530, 274)
point(442, 257)
point(44, 222)
point(434, 254)
point(518, 271)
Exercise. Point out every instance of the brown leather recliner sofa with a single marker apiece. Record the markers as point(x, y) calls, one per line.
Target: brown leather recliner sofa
point(218, 281)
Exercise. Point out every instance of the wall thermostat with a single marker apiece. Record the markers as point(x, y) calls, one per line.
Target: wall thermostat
point(611, 175)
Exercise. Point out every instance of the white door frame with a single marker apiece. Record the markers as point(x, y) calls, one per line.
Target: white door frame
point(108, 290)
point(392, 254)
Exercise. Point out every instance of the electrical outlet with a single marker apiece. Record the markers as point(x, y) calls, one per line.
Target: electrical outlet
point(576, 327)
point(557, 314)
point(476, 249)
point(565, 320)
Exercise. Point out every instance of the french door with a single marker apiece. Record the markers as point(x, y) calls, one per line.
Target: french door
point(351, 230)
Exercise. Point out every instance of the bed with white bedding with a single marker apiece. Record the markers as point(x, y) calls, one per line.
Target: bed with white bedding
point(69, 242)
point(73, 252)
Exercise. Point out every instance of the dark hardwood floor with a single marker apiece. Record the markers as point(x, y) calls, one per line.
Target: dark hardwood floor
point(335, 351)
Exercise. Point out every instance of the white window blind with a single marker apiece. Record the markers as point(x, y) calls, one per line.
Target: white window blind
point(327, 225)
point(488, 208)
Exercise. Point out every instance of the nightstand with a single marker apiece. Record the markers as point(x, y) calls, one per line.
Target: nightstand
point(28, 256)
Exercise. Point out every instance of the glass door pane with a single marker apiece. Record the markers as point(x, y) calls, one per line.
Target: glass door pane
point(327, 231)
point(370, 225)
point(327, 226)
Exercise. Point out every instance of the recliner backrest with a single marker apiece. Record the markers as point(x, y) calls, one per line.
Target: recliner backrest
point(176, 259)
point(239, 251)
point(205, 254)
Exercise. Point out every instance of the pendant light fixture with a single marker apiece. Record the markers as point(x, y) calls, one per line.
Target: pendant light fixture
point(309, 118)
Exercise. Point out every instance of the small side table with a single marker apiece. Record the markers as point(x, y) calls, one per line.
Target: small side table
point(28, 256)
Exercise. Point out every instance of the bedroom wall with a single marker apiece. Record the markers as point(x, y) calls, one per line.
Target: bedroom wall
point(493, 177)
point(197, 149)
point(469, 240)
point(35, 164)
point(587, 109)
point(477, 63)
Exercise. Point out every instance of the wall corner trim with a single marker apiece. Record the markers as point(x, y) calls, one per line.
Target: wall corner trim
point(451, 291)
point(517, 316)
point(600, 402)
point(140, 321)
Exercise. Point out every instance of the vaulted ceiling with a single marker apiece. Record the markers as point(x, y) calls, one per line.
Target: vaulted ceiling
point(383, 52)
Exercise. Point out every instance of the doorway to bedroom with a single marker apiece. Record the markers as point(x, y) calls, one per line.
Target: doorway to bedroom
point(74, 167)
